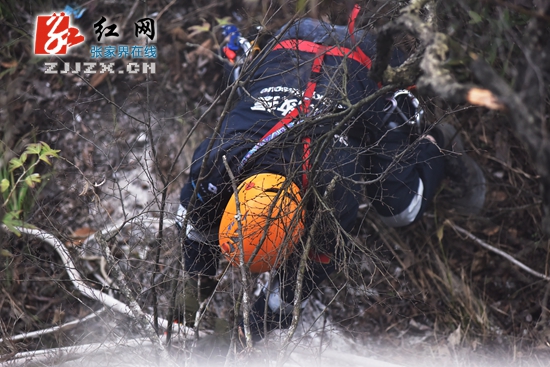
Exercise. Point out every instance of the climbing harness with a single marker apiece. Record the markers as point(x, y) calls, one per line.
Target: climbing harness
point(291, 118)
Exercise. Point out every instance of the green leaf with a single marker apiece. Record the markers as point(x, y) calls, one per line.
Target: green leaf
point(439, 233)
point(31, 180)
point(46, 149)
point(35, 177)
point(23, 157)
point(506, 18)
point(14, 164)
point(198, 29)
point(301, 5)
point(5, 253)
point(11, 220)
point(46, 152)
point(34, 148)
point(223, 21)
point(44, 157)
point(474, 17)
point(4, 185)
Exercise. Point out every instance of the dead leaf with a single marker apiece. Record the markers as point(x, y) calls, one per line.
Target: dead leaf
point(97, 79)
point(78, 236)
point(419, 326)
point(485, 98)
point(455, 337)
point(198, 29)
point(87, 155)
point(84, 128)
point(478, 262)
point(58, 316)
point(491, 231)
point(179, 34)
point(204, 50)
point(498, 196)
point(9, 64)
point(83, 232)
point(84, 189)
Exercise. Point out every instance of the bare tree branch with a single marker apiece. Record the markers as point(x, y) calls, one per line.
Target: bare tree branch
point(496, 250)
point(242, 264)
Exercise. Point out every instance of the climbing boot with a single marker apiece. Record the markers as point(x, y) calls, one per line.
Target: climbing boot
point(214, 347)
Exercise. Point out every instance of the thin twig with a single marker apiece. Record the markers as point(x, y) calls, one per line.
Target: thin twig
point(520, 9)
point(194, 196)
point(164, 180)
point(164, 10)
point(214, 54)
point(496, 250)
point(130, 14)
point(301, 271)
point(242, 263)
point(136, 310)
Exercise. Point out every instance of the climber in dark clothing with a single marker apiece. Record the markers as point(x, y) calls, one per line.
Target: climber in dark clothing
point(280, 138)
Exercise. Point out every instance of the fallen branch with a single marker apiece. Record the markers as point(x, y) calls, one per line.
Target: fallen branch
point(108, 301)
point(407, 21)
point(74, 275)
point(76, 279)
point(38, 333)
point(78, 350)
point(496, 250)
point(117, 227)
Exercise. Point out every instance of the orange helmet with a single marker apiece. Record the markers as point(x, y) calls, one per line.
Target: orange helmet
point(270, 220)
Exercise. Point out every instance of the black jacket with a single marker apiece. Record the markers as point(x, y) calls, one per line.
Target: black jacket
point(274, 84)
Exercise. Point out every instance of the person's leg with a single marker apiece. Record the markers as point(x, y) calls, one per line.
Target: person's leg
point(200, 255)
point(467, 181)
point(408, 177)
